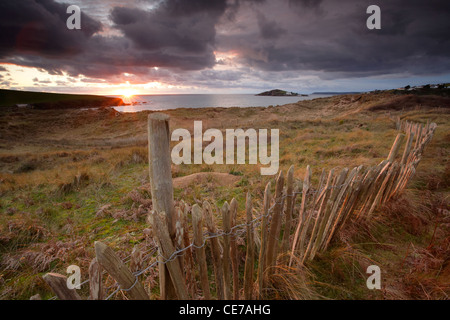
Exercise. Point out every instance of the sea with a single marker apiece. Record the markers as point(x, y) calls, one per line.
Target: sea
point(173, 101)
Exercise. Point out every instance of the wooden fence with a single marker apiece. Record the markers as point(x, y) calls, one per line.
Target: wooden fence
point(290, 229)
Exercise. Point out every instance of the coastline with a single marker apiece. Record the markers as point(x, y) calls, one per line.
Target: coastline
point(203, 101)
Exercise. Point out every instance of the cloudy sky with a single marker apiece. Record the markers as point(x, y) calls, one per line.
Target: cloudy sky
point(222, 46)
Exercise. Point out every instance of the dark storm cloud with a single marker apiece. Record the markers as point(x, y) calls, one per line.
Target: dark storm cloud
point(175, 34)
point(305, 4)
point(233, 6)
point(269, 29)
point(39, 26)
point(176, 25)
point(227, 75)
point(335, 40)
point(326, 38)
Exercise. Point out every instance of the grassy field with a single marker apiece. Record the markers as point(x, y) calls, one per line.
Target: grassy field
point(72, 177)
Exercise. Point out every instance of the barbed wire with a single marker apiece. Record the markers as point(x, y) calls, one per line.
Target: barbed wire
point(208, 235)
point(125, 260)
point(232, 232)
point(256, 221)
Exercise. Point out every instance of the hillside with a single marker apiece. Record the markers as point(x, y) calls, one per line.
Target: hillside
point(43, 100)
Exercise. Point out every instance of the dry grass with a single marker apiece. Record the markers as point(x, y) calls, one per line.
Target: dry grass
point(289, 283)
point(70, 178)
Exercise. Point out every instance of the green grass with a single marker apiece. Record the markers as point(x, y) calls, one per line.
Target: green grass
point(12, 97)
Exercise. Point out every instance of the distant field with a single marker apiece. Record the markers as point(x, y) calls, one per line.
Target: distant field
point(12, 97)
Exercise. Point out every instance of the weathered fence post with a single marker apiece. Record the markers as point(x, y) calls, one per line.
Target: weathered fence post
point(303, 219)
point(197, 224)
point(262, 250)
point(396, 147)
point(188, 258)
point(407, 150)
point(273, 237)
point(353, 199)
point(159, 223)
point(161, 184)
point(340, 190)
point(95, 281)
point(372, 186)
point(226, 249)
point(179, 233)
point(381, 189)
point(348, 195)
point(290, 203)
point(233, 251)
point(119, 271)
point(215, 250)
point(418, 132)
point(322, 199)
point(58, 283)
point(249, 258)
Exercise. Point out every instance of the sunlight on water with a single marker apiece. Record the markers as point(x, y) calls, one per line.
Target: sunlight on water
point(164, 102)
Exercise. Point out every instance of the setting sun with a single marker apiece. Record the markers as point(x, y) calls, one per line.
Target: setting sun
point(127, 93)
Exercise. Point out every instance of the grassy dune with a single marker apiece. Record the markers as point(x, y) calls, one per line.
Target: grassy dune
point(69, 178)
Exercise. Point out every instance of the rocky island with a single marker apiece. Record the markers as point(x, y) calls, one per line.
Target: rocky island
point(278, 93)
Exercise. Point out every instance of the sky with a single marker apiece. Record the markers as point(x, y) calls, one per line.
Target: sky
point(222, 46)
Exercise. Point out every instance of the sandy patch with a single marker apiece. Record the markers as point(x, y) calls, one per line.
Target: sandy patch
point(218, 178)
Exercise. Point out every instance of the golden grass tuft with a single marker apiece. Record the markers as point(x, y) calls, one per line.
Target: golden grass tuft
point(291, 283)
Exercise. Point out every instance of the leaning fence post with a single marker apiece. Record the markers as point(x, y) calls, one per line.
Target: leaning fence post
point(303, 219)
point(58, 283)
point(370, 193)
point(249, 258)
point(161, 184)
point(262, 250)
point(159, 223)
point(407, 150)
point(95, 280)
point(215, 250)
point(188, 258)
point(289, 211)
point(395, 147)
point(119, 271)
point(381, 189)
point(226, 249)
point(197, 224)
point(340, 189)
point(233, 251)
point(322, 199)
point(274, 234)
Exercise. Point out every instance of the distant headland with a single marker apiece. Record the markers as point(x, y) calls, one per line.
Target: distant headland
point(45, 100)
